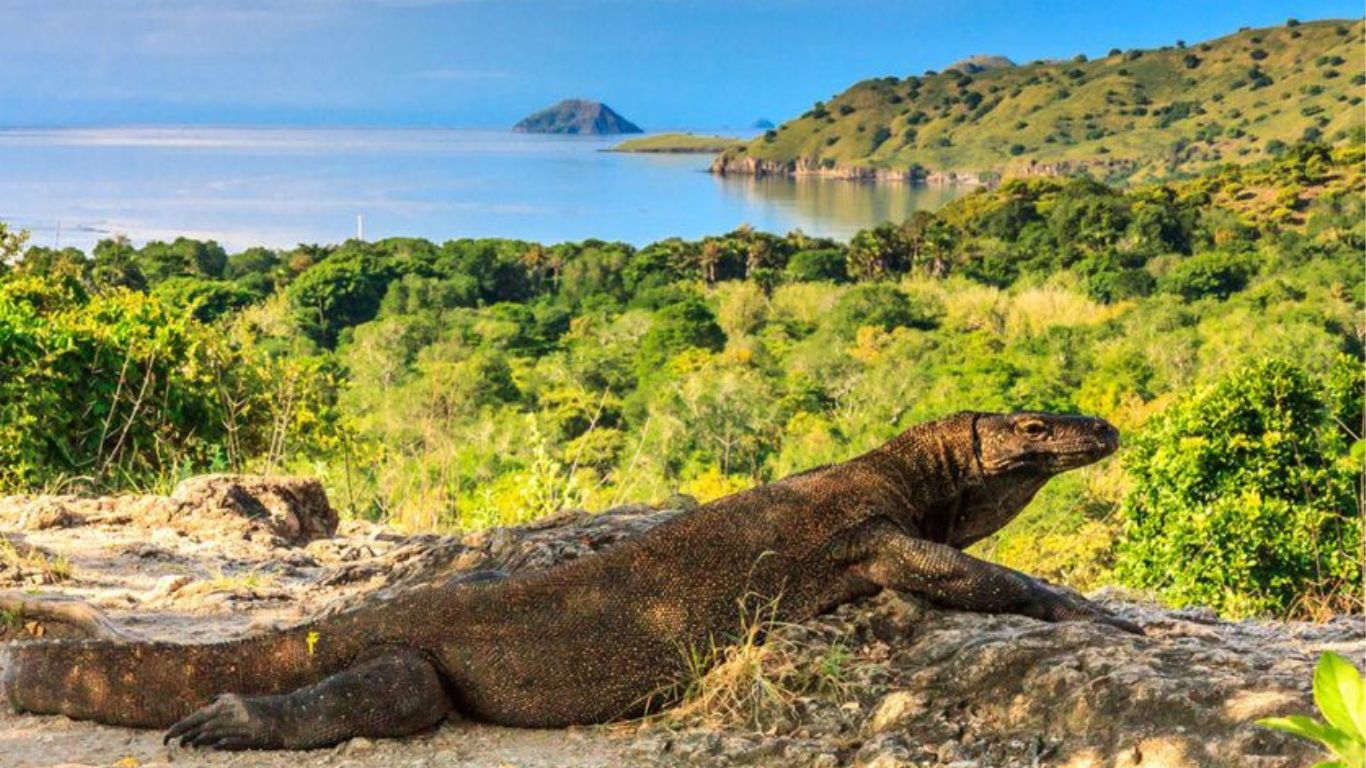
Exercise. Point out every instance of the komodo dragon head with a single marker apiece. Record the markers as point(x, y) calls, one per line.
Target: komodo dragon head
point(1015, 455)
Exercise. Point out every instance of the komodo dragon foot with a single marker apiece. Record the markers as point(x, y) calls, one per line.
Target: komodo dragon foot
point(396, 694)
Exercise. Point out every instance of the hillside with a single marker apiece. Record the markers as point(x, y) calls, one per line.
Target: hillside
point(576, 116)
point(1129, 116)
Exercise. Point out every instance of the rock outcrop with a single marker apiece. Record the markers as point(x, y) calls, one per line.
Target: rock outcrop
point(291, 510)
point(735, 163)
point(980, 63)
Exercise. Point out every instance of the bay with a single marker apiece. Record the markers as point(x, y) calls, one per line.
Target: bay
point(282, 186)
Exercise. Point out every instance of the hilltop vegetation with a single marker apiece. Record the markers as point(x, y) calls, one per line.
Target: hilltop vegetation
point(1216, 321)
point(1132, 115)
point(677, 142)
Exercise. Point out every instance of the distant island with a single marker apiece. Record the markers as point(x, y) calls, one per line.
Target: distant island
point(577, 116)
point(1127, 117)
point(762, 124)
point(678, 143)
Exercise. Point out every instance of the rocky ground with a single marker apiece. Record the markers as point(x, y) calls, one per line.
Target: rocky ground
point(887, 682)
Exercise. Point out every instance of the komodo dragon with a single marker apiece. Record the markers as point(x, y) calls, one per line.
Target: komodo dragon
point(596, 638)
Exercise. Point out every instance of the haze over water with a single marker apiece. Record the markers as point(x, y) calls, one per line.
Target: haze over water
point(283, 186)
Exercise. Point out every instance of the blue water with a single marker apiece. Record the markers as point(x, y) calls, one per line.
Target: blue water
point(282, 186)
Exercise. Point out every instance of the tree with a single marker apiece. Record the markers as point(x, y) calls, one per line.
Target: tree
point(879, 252)
point(684, 325)
point(1242, 499)
point(1087, 215)
point(115, 265)
point(1217, 274)
point(825, 264)
point(938, 243)
point(878, 305)
point(709, 258)
point(160, 261)
point(342, 290)
point(11, 244)
point(536, 259)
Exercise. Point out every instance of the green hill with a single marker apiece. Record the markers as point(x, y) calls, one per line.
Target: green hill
point(1131, 115)
point(677, 143)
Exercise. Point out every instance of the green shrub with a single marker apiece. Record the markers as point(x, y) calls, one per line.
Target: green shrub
point(1241, 499)
point(825, 264)
point(878, 305)
point(117, 387)
point(206, 300)
point(684, 325)
point(1216, 274)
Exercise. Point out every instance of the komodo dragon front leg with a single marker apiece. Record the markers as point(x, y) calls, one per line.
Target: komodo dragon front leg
point(394, 694)
point(886, 555)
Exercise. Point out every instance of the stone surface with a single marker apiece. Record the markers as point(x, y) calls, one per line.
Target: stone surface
point(287, 510)
point(293, 508)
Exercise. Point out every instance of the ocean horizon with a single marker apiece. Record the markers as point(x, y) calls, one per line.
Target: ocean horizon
point(279, 186)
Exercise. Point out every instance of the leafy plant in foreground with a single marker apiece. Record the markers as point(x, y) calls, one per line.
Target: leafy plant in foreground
point(1341, 698)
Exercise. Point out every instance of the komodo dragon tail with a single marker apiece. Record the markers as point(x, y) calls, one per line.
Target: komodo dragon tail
point(154, 684)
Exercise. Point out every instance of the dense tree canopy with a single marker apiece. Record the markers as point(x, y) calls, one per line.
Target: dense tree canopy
point(478, 382)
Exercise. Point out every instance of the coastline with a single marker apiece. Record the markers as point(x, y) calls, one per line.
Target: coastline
point(728, 164)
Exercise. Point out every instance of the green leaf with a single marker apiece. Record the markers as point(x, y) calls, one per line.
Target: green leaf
point(1341, 695)
point(1329, 764)
point(1299, 725)
point(1351, 752)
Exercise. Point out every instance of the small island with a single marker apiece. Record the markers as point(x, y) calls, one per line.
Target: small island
point(577, 116)
point(678, 143)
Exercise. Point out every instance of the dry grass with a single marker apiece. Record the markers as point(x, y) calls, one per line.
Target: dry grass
point(804, 303)
point(1035, 310)
point(974, 307)
point(756, 680)
point(246, 581)
point(27, 560)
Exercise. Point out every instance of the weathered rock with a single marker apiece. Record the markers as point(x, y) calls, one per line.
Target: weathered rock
point(288, 510)
point(293, 508)
point(47, 512)
point(895, 710)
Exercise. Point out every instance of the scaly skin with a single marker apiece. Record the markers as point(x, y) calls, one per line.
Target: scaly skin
point(602, 637)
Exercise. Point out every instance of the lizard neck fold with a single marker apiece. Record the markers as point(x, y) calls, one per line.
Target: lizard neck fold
point(932, 464)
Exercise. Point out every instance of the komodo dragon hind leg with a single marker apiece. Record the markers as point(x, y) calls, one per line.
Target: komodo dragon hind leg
point(395, 694)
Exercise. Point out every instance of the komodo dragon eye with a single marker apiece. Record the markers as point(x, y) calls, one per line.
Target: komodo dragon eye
point(1032, 429)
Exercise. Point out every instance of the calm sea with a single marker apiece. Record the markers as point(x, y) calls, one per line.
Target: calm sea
point(279, 187)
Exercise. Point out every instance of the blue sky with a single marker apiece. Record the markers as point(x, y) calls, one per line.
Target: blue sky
point(694, 64)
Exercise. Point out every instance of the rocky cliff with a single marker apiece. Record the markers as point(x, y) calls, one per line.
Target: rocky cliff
point(731, 163)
